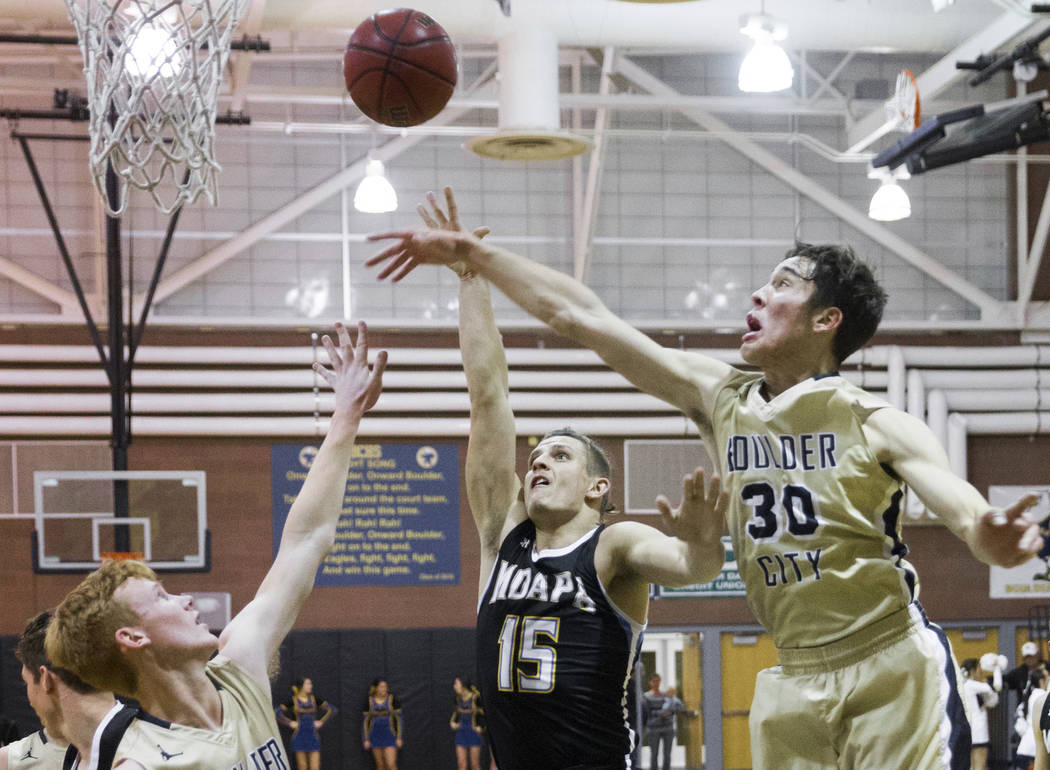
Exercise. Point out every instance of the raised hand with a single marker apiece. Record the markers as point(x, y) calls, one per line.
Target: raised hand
point(356, 388)
point(436, 219)
point(443, 243)
point(1007, 537)
point(701, 515)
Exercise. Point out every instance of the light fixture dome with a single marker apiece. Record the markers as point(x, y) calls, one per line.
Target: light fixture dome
point(890, 202)
point(766, 68)
point(375, 194)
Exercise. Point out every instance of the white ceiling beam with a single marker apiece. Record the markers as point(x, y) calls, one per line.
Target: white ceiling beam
point(988, 305)
point(240, 64)
point(827, 83)
point(942, 74)
point(1028, 268)
point(595, 163)
point(67, 300)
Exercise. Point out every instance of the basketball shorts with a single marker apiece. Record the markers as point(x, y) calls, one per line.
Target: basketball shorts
point(888, 696)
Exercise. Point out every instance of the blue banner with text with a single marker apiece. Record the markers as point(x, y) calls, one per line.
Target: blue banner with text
point(400, 518)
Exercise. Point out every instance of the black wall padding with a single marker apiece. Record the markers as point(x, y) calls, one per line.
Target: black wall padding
point(13, 701)
point(419, 666)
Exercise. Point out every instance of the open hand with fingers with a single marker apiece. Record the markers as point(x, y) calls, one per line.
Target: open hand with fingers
point(1007, 537)
point(700, 518)
point(436, 219)
point(356, 386)
point(443, 243)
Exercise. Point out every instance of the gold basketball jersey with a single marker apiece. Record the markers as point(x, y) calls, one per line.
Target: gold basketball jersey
point(815, 518)
point(248, 739)
point(35, 752)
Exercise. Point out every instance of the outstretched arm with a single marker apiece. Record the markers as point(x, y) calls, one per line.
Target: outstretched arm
point(684, 380)
point(631, 555)
point(254, 634)
point(1003, 537)
point(492, 482)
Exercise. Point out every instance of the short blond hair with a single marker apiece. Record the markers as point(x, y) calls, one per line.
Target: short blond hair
point(82, 634)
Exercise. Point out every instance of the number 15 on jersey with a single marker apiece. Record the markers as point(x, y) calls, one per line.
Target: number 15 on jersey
point(527, 653)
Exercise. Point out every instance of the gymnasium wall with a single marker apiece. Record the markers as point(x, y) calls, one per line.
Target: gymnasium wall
point(240, 520)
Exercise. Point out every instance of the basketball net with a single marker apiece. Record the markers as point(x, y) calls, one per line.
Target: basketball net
point(153, 71)
point(904, 107)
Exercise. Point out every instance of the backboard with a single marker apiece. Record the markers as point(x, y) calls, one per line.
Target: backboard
point(76, 526)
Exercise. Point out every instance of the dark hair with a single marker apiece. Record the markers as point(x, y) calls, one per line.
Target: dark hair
point(844, 281)
point(970, 665)
point(598, 463)
point(30, 652)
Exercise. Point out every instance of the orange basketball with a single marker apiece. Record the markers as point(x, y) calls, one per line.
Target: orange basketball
point(400, 67)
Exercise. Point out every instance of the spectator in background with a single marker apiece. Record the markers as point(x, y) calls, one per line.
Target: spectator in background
point(662, 730)
point(979, 698)
point(301, 714)
point(1017, 678)
point(657, 723)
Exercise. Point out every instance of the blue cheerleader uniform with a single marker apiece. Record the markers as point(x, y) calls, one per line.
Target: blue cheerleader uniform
point(382, 725)
point(303, 709)
point(466, 716)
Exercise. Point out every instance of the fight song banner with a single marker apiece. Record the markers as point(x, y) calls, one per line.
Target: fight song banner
point(1031, 579)
point(400, 518)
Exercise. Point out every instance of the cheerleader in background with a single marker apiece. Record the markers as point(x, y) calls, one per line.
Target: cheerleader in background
point(467, 722)
point(301, 714)
point(382, 725)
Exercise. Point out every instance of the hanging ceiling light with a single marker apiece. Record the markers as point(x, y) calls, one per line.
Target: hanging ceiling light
point(766, 68)
point(375, 194)
point(890, 202)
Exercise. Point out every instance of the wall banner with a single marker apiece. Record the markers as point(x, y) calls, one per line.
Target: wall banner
point(400, 519)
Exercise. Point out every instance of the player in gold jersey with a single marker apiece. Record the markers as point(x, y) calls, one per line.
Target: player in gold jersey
point(120, 629)
point(815, 469)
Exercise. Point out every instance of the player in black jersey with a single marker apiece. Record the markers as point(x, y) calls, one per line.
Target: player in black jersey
point(563, 597)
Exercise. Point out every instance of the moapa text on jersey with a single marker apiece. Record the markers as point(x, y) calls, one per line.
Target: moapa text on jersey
point(515, 583)
point(266, 757)
point(806, 452)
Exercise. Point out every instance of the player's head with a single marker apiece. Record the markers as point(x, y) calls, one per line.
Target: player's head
point(40, 675)
point(818, 295)
point(117, 612)
point(567, 468)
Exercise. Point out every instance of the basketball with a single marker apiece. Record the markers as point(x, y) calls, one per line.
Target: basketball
point(400, 67)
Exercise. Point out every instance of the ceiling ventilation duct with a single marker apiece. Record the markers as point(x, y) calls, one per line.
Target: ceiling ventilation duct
point(529, 124)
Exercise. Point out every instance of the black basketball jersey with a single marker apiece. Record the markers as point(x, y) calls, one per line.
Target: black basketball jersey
point(554, 655)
